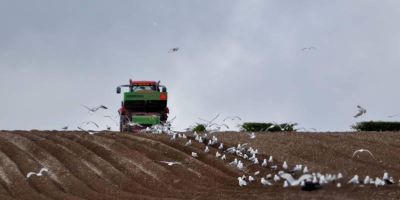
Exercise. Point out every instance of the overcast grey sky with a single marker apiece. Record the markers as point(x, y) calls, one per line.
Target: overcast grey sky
point(236, 58)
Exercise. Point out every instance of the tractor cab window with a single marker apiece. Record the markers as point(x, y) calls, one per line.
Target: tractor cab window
point(143, 87)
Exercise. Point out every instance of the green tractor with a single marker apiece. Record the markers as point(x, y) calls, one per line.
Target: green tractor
point(143, 105)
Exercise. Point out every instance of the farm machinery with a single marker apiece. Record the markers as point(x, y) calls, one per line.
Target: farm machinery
point(144, 104)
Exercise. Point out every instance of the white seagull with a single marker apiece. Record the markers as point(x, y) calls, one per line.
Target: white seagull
point(264, 163)
point(285, 166)
point(252, 135)
point(44, 169)
point(354, 180)
point(242, 182)
point(206, 150)
point(265, 181)
point(361, 151)
point(189, 142)
point(170, 163)
point(194, 155)
point(223, 157)
point(360, 112)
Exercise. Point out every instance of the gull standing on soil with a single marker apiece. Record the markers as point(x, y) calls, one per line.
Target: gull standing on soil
point(354, 180)
point(44, 169)
point(256, 173)
point(189, 142)
point(264, 163)
point(361, 111)
point(206, 150)
point(265, 182)
point(194, 155)
point(217, 154)
point(223, 157)
point(221, 146)
point(276, 178)
point(252, 135)
point(270, 159)
point(285, 166)
point(94, 109)
point(361, 151)
point(242, 182)
point(285, 184)
point(251, 179)
point(170, 163)
point(305, 170)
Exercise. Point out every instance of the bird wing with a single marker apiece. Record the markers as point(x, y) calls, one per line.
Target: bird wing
point(369, 152)
point(90, 109)
point(44, 169)
point(358, 114)
point(94, 124)
point(30, 174)
point(103, 107)
point(354, 153)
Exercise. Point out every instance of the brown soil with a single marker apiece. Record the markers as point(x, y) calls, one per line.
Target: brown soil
point(127, 165)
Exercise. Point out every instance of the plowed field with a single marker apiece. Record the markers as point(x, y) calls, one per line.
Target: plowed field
point(127, 166)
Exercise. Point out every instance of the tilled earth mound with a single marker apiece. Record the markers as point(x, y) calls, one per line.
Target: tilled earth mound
point(128, 166)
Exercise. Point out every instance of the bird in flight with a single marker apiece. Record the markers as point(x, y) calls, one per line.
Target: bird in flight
point(91, 122)
point(308, 48)
point(395, 115)
point(65, 128)
point(361, 151)
point(175, 49)
point(361, 111)
point(171, 163)
point(87, 131)
point(232, 118)
point(44, 169)
point(94, 109)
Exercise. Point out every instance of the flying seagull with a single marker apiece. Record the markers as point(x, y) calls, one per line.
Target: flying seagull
point(87, 131)
point(170, 163)
point(44, 169)
point(395, 115)
point(65, 128)
point(175, 49)
point(94, 109)
point(91, 122)
point(232, 118)
point(308, 48)
point(361, 111)
point(362, 150)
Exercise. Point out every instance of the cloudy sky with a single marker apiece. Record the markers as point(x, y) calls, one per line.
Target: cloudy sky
point(236, 58)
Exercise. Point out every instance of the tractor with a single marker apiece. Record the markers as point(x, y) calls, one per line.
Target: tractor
point(144, 105)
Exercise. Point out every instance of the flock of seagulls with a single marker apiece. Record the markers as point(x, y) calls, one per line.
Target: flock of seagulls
point(245, 158)
point(92, 110)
